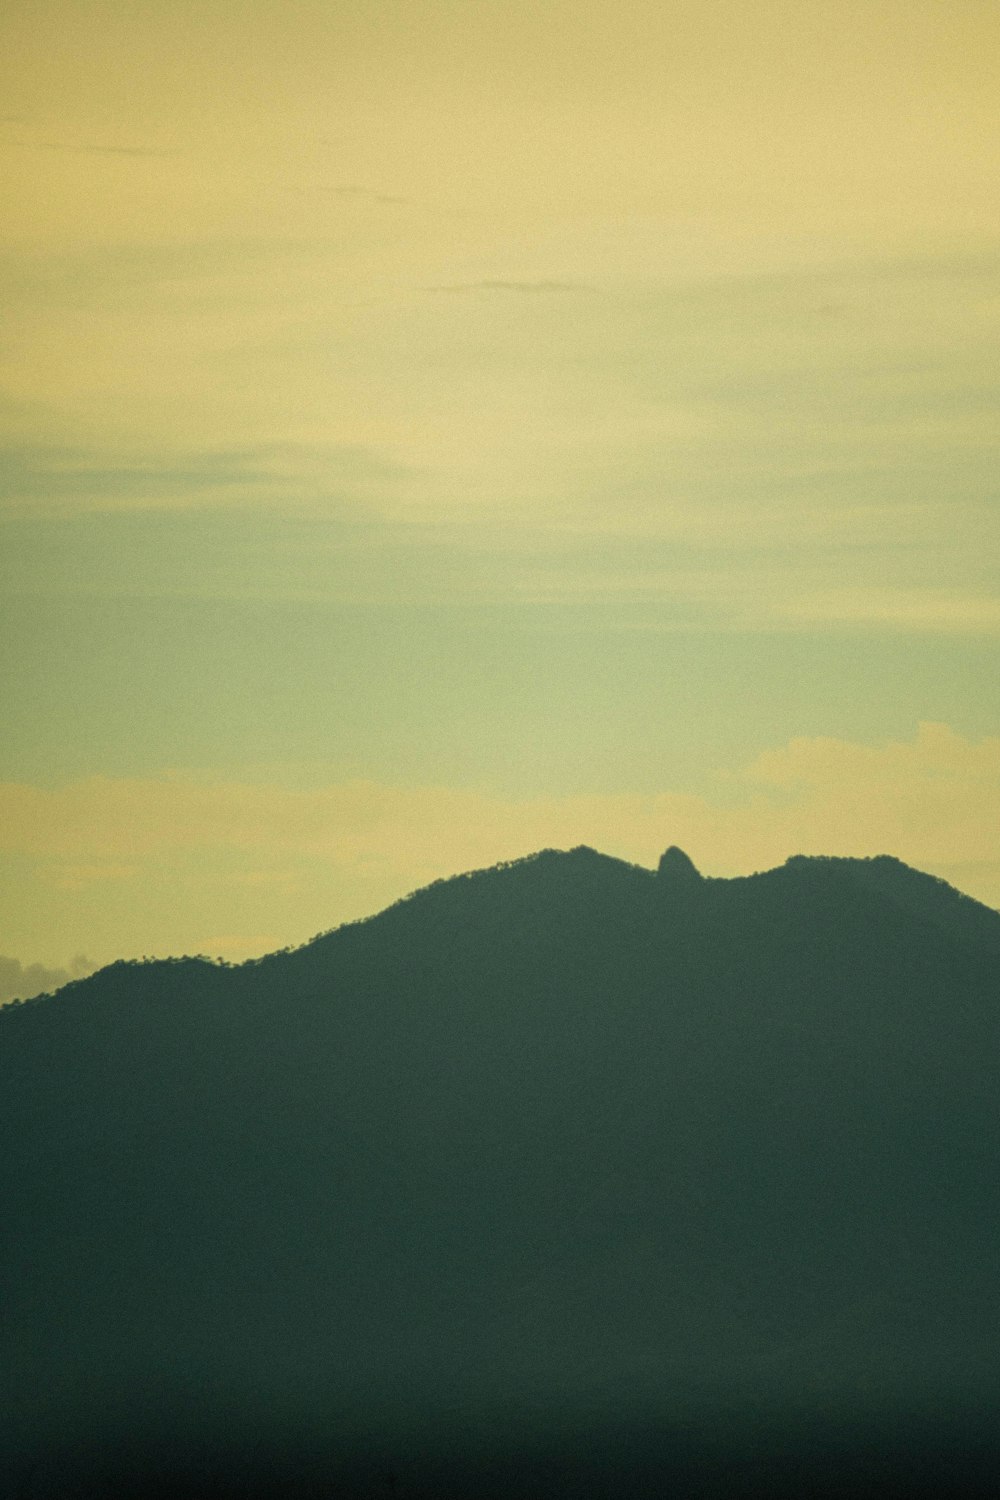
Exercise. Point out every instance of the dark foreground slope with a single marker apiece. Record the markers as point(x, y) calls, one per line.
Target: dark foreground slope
point(564, 1178)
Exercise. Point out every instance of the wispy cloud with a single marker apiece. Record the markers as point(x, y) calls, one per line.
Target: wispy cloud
point(927, 609)
point(50, 478)
point(371, 195)
point(78, 877)
point(713, 442)
point(95, 148)
point(500, 285)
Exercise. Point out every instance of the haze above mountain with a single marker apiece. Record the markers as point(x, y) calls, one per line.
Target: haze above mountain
point(563, 1173)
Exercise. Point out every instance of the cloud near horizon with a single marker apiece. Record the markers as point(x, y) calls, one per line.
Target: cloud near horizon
point(301, 860)
point(23, 981)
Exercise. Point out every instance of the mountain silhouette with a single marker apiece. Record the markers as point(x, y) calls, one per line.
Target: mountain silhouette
point(562, 1177)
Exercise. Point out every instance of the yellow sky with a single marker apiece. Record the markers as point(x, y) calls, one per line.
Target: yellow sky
point(667, 320)
point(765, 121)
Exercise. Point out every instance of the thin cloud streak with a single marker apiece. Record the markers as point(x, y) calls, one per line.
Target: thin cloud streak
point(499, 285)
point(352, 190)
point(88, 148)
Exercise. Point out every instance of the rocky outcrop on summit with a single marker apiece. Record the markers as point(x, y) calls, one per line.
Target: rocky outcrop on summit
point(677, 867)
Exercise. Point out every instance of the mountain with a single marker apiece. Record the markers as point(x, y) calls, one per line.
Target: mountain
point(560, 1178)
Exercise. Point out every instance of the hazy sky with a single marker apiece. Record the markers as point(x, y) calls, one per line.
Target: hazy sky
point(433, 429)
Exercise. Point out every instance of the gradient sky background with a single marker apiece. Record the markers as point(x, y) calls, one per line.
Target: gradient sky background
point(435, 429)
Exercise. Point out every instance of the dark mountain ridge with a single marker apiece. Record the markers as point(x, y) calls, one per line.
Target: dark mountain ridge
point(565, 1172)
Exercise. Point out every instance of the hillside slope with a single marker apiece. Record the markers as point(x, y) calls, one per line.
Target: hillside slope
point(562, 1173)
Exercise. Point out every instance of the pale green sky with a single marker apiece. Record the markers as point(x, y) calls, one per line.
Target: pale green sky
point(461, 417)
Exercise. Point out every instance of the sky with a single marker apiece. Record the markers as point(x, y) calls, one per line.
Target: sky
point(433, 431)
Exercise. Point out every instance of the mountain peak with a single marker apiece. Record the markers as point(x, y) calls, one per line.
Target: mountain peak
point(675, 865)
